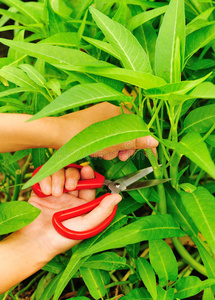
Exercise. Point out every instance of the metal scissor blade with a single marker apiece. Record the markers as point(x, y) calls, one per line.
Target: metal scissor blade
point(145, 183)
point(131, 178)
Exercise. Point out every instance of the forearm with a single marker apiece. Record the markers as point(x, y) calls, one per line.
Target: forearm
point(17, 134)
point(51, 132)
point(19, 259)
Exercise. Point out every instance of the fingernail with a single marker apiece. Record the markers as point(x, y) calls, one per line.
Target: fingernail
point(151, 142)
point(117, 199)
point(47, 190)
point(71, 184)
point(57, 190)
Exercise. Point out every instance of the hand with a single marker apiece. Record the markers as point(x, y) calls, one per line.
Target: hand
point(94, 114)
point(54, 184)
point(48, 239)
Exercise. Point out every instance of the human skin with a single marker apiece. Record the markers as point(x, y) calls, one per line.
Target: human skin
point(37, 243)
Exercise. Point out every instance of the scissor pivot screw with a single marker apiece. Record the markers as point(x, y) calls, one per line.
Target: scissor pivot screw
point(117, 185)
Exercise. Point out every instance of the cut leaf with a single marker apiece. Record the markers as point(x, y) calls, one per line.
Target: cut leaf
point(200, 205)
point(94, 138)
point(131, 52)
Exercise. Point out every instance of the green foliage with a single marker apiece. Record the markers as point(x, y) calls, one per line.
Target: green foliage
point(66, 55)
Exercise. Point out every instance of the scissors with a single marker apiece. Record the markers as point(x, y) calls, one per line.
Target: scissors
point(126, 183)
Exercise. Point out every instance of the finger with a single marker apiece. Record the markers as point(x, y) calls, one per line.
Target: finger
point(101, 212)
point(111, 155)
point(58, 179)
point(87, 173)
point(125, 154)
point(139, 143)
point(72, 176)
point(46, 185)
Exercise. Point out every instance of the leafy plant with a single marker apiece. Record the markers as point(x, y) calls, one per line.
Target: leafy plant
point(85, 52)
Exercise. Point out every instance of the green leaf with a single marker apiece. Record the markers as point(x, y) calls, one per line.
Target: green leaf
point(146, 228)
point(165, 295)
point(51, 54)
point(203, 90)
point(94, 138)
point(16, 215)
point(166, 91)
point(196, 150)
point(137, 294)
point(190, 286)
point(147, 275)
point(67, 39)
point(49, 291)
point(55, 22)
point(144, 17)
point(208, 294)
point(171, 30)
point(200, 205)
point(93, 281)
point(200, 119)
point(108, 261)
point(199, 21)
point(76, 261)
point(24, 8)
point(33, 74)
point(18, 77)
point(79, 95)
point(103, 46)
point(137, 78)
point(166, 269)
point(132, 54)
point(198, 39)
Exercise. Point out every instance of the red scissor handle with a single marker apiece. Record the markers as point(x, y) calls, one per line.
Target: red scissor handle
point(60, 216)
point(96, 182)
point(64, 215)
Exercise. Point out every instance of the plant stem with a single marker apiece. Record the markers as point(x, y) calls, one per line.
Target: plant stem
point(158, 175)
point(187, 257)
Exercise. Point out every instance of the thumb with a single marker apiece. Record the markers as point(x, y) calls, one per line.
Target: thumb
point(101, 212)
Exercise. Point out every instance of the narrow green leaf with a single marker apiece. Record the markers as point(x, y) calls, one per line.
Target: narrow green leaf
point(137, 294)
point(166, 269)
point(15, 215)
point(199, 21)
point(33, 74)
point(103, 46)
point(200, 205)
point(137, 78)
point(190, 286)
point(208, 294)
point(200, 119)
point(67, 39)
point(203, 90)
point(93, 281)
point(172, 28)
point(51, 54)
point(79, 95)
point(18, 77)
point(179, 213)
point(147, 275)
point(132, 54)
point(94, 138)
point(199, 39)
point(146, 228)
point(23, 8)
point(49, 290)
point(196, 150)
point(144, 17)
point(108, 261)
